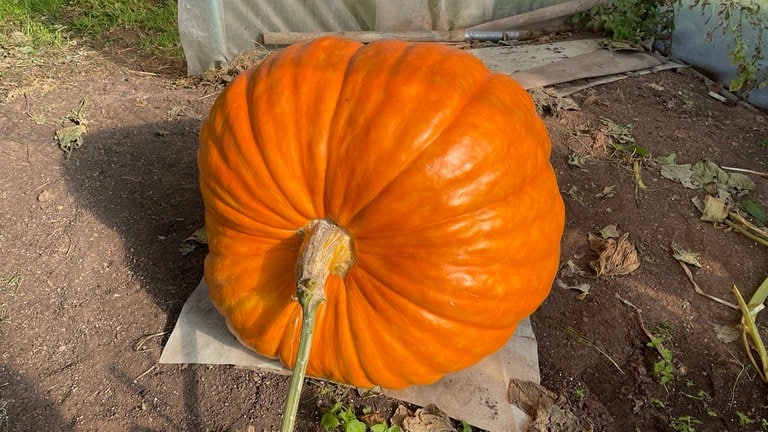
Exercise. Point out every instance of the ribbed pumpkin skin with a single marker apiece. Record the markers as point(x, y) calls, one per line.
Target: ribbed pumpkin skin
point(438, 169)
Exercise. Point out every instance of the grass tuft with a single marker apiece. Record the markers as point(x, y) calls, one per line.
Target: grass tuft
point(30, 25)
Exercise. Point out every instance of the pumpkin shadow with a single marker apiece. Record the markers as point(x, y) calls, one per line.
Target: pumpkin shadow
point(24, 407)
point(141, 181)
point(143, 185)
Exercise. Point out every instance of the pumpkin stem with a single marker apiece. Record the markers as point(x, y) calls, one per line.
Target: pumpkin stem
point(326, 250)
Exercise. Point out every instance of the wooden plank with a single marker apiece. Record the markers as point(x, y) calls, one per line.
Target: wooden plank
point(569, 89)
point(287, 38)
point(594, 64)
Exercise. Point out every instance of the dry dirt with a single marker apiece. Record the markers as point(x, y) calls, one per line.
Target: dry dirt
point(92, 278)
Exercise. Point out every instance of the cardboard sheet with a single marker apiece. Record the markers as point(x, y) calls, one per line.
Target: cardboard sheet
point(590, 65)
point(541, 65)
point(477, 395)
point(511, 59)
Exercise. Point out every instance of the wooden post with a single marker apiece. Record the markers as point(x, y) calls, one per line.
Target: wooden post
point(287, 38)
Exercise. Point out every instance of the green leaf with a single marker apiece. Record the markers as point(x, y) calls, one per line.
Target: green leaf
point(642, 151)
point(380, 427)
point(670, 159)
point(754, 209)
point(737, 83)
point(329, 421)
point(354, 426)
point(347, 416)
point(744, 419)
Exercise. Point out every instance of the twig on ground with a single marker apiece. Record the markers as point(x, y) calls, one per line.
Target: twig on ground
point(639, 316)
point(144, 373)
point(574, 334)
point(744, 170)
point(701, 292)
point(139, 345)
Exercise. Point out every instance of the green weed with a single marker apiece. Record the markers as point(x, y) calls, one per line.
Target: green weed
point(704, 398)
point(744, 419)
point(343, 418)
point(34, 24)
point(30, 25)
point(732, 16)
point(633, 21)
point(684, 424)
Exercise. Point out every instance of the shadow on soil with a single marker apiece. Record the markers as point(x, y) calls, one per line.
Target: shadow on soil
point(142, 182)
point(21, 399)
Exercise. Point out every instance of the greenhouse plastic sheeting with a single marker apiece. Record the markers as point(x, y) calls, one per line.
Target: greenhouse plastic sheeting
point(690, 44)
point(214, 31)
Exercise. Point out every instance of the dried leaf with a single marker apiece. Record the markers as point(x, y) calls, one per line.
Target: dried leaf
point(607, 192)
point(571, 269)
point(715, 209)
point(371, 418)
point(582, 287)
point(428, 419)
point(617, 133)
point(726, 333)
point(636, 171)
point(669, 159)
point(616, 257)
point(717, 182)
point(684, 255)
point(401, 413)
point(679, 173)
point(576, 159)
point(549, 411)
point(610, 231)
point(71, 138)
point(708, 175)
point(192, 242)
point(547, 101)
point(739, 183)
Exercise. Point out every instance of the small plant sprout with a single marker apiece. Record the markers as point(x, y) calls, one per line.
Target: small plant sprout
point(684, 424)
point(744, 420)
point(343, 418)
point(664, 368)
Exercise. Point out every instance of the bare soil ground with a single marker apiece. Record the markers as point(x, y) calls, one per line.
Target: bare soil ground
point(92, 278)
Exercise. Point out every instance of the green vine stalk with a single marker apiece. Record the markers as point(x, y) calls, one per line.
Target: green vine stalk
point(734, 16)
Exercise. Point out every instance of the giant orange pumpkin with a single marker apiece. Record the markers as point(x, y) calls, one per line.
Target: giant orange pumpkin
point(436, 169)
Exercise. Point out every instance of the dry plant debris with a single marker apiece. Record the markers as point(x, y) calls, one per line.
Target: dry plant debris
point(549, 411)
point(71, 137)
point(427, 419)
point(616, 255)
